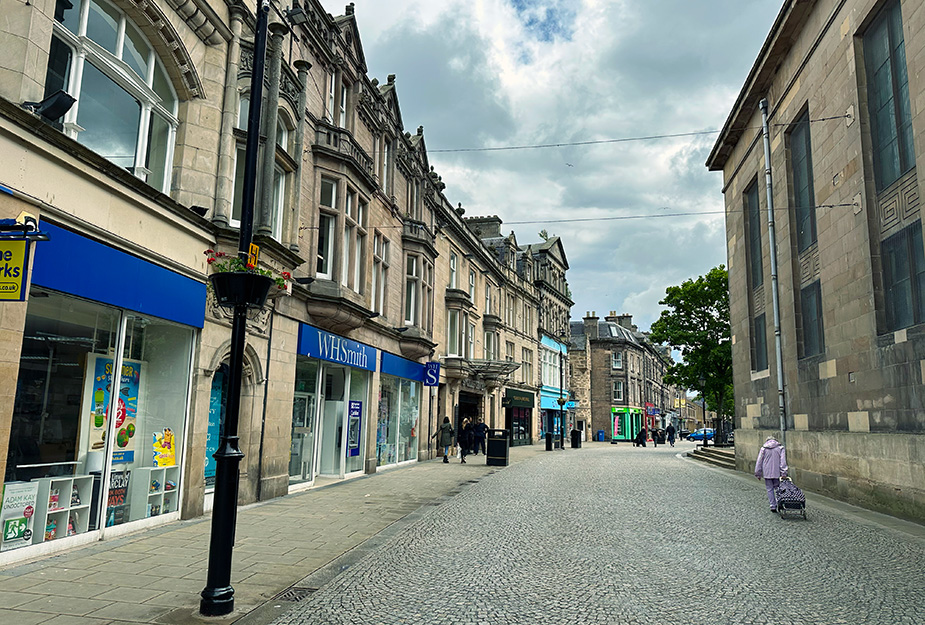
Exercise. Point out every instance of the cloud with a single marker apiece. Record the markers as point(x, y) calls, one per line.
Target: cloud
point(482, 73)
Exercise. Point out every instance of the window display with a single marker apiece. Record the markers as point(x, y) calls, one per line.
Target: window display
point(399, 408)
point(86, 416)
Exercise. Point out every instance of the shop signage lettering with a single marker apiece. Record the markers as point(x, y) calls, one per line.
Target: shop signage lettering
point(13, 258)
point(517, 399)
point(326, 346)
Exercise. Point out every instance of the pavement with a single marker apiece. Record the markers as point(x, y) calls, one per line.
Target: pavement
point(604, 534)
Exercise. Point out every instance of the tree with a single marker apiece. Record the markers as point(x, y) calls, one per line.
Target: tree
point(697, 324)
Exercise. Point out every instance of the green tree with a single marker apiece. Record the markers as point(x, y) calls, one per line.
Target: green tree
point(696, 324)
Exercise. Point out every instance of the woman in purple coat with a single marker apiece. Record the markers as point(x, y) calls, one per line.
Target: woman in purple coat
point(771, 465)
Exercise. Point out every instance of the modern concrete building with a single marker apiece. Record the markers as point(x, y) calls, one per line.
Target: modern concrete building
point(845, 106)
point(122, 130)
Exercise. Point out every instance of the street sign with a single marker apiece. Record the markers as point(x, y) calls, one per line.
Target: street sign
point(14, 258)
point(431, 373)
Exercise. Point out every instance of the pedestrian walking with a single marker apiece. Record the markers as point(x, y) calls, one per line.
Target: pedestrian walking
point(655, 437)
point(770, 465)
point(670, 431)
point(464, 439)
point(478, 437)
point(444, 437)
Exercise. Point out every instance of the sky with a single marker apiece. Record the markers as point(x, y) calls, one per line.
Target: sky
point(501, 73)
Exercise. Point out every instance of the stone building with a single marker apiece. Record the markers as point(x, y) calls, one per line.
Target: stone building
point(844, 100)
point(123, 129)
point(618, 378)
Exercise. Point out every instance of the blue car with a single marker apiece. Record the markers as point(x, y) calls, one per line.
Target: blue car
point(697, 435)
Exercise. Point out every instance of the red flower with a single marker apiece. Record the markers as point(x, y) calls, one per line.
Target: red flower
point(209, 252)
point(250, 265)
point(211, 260)
point(286, 275)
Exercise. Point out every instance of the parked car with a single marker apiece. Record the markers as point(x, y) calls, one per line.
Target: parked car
point(697, 435)
point(684, 434)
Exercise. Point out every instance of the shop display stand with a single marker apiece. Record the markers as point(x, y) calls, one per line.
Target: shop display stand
point(149, 499)
point(60, 515)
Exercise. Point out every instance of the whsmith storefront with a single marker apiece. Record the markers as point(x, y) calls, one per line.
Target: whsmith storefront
point(335, 413)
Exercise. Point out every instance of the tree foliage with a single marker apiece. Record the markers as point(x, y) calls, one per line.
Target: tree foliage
point(696, 324)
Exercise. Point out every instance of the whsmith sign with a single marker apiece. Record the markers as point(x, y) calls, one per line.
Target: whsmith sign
point(316, 343)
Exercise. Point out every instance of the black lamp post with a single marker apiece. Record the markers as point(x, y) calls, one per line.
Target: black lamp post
point(703, 398)
point(218, 595)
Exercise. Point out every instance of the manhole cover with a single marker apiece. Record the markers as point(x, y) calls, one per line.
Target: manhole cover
point(294, 593)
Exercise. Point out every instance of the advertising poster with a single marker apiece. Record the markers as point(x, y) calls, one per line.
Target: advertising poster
point(17, 513)
point(165, 454)
point(127, 387)
point(354, 419)
point(213, 432)
point(116, 506)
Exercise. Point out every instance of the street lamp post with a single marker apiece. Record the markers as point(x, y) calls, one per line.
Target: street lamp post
point(703, 398)
point(218, 595)
point(561, 400)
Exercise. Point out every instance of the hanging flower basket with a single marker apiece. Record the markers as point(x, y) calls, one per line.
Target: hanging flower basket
point(235, 288)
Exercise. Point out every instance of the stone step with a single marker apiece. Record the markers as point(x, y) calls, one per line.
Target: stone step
point(722, 457)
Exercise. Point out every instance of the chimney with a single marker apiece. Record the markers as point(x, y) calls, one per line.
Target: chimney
point(612, 317)
point(626, 321)
point(590, 322)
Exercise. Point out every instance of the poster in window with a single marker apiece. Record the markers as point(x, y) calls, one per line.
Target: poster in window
point(116, 506)
point(354, 419)
point(127, 389)
point(216, 418)
point(17, 512)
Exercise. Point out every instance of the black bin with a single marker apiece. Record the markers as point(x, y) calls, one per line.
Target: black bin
point(576, 439)
point(498, 451)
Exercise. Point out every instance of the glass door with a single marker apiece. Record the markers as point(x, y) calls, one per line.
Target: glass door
point(332, 407)
point(302, 452)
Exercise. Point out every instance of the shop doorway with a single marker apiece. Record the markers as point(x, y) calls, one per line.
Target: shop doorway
point(302, 453)
point(469, 408)
point(334, 381)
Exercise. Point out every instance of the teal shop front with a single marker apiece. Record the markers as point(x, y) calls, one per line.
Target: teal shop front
point(330, 406)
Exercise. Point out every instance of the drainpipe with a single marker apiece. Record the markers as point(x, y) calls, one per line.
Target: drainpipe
point(775, 299)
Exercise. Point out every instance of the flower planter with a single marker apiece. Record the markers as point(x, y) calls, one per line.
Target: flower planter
point(235, 288)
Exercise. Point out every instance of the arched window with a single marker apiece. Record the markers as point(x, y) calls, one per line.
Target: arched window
point(126, 108)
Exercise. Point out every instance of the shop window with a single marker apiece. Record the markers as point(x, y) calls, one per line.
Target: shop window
point(126, 108)
point(399, 410)
point(79, 403)
point(888, 96)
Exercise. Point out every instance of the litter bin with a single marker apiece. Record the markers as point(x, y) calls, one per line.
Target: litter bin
point(498, 451)
point(576, 439)
point(600, 436)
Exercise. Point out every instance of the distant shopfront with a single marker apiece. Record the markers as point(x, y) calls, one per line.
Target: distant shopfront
point(330, 408)
point(625, 423)
point(518, 415)
point(102, 394)
point(400, 393)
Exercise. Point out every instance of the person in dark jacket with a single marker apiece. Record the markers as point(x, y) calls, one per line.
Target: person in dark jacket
point(444, 437)
point(478, 437)
point(464, 440)
point(670, 431)
point(641, 437)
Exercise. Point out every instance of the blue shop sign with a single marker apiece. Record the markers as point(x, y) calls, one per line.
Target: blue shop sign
point(316, 343)
point(432, 374)
point(402, 367)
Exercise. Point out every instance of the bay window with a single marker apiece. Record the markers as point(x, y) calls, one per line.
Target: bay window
point(126, 108)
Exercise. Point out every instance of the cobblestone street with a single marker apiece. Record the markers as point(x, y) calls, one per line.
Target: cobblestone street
point(621, 535)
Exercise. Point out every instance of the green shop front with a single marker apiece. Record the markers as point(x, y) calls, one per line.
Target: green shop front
point(518, 415)
point(625, 423)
